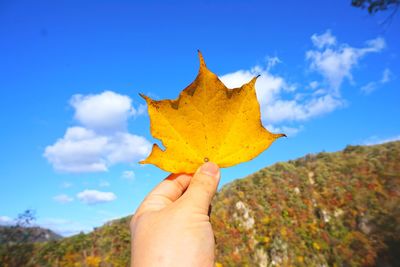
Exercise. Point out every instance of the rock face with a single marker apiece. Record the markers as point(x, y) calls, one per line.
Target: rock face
point(243, 215)
point(329, 209)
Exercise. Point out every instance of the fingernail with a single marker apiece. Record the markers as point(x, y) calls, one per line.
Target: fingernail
point(210, 169)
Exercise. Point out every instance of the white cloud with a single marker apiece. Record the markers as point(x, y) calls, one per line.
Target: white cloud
point(105, 111)
point(128, 175)
point(284, 103)
point(375, 140)
point(127, 148)
point(140, 110)
point(268, 86)
point(386, 76)
point(103, 140)
point(91, 197)
point(325, 39)
point(272, 61)
point(104, 183)
point(295, 110)
point(5, 220)
point(369, 88)
point(335, 62)
point(313, 84)
point(80, 150)
point(63, 198)
point(273, 93)
point(372, 86)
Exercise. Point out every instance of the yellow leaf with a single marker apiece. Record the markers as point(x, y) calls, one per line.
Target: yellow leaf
point(316, 246)
point(208, 122)
point(300, 259)
point(283, 232)
point(92, 261)
point(265, 220)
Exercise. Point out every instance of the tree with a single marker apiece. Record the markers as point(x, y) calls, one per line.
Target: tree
point(373, 6)
point(17, 241)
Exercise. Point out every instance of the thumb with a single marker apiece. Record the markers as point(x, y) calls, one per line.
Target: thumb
point(203, 186)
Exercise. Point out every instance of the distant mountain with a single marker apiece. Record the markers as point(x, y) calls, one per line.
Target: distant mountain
point(327, 209)
point(26, 234)
point(19, 245)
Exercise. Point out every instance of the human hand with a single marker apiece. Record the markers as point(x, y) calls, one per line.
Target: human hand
point(172, 225)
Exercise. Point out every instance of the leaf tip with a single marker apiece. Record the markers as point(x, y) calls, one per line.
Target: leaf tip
point(253, 81)
point(201, 59)
point(144, 97)
point(280, 135)
point(144, 161)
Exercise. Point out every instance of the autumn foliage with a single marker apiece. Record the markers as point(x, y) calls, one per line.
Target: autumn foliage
point(327, 209)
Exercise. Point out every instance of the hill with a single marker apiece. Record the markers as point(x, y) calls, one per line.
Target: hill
point(26, 234)
point(328, 209)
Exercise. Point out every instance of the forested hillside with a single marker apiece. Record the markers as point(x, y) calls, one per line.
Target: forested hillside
point(328, 209)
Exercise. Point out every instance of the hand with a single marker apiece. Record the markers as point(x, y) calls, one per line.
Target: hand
point(172, 225)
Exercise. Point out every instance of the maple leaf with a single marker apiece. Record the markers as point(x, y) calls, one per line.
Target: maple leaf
point(208, 122)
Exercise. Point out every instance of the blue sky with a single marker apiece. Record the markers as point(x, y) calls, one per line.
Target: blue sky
point(74, 126)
